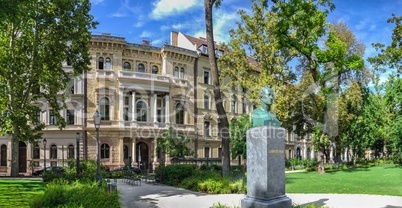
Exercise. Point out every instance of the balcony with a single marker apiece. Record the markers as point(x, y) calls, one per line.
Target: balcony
point(182, 83)
point(102, 74)
point(139, 76)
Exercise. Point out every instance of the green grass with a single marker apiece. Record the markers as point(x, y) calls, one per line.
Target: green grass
point(18, 193)
point(379, 180)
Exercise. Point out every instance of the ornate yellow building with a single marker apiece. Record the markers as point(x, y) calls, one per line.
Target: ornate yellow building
point(140, 91)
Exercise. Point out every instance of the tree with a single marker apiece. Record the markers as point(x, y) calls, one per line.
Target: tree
point(238, 136)
point(223, 120)
point(36, 37)
point(296, 30)
point(174, 143)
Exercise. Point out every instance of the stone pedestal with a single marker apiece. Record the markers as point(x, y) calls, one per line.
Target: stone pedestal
point(266, 168)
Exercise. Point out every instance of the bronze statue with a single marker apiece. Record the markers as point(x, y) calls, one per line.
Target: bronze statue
point(262, 115)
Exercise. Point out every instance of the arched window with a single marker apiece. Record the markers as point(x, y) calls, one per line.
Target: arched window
point(127, 66)
point(108, 64)
point(154, 69)
point(125, 152)
point(70, 152)
point(35, 152)
point(104, 108)
point(3, 155)
point(105, 151)
point(179, 113)
point(141, 111)
point(233, 105)
point(182, 73)
point(53, 151)
point(206, 101)
point(176, 72)
point(141, 68)
point(100, 63)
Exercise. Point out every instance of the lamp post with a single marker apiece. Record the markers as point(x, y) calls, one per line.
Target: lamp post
point(78, 153)
point(44, 154)
point(207, 155)
point(97, 121)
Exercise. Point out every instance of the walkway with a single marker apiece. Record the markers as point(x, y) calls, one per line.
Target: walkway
point(160, 196)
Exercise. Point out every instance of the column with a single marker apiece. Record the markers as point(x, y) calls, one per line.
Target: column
point(133, 112)
point(134, 152)
point(164, 65)
point(121, 150)
point(155, 163)
point(167, 108)
point(304, 149)
point(121, 97)
point(153, 108)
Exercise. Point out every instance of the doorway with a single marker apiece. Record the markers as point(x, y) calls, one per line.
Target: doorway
point(22, 157)
point(142, 156)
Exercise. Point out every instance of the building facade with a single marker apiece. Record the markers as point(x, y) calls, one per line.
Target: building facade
point(140, 91)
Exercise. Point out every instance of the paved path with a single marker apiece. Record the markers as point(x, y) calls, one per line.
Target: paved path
point(160, 196)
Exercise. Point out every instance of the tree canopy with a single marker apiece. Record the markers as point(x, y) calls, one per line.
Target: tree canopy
point(36, 38)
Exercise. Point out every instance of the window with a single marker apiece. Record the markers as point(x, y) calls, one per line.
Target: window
point(206, 77)
point(37, 117)
point(125, 152)
point(206, 152)
point(71, 84)
point(206, 129)
point(176, 72)
point(108, 63)
point(206, 101)
point(155, 70)
point(233, 108)
point(105, 151)
point(70, 152)
point(182, 73)
point(104, 108)
point(3, 155)
point(35, 152)
point(52, 118)
point(127, 66)
point(100, 63)
point(141, 68)
point(53, 163)
point(245, 106)
point(125, 114)
point(179, 113)
point(53, 151)
point(220, 152)
point(70, 117)
point(141, 111)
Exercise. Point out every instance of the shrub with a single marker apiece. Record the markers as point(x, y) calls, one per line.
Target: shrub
point(61, 193)
point(173, 175)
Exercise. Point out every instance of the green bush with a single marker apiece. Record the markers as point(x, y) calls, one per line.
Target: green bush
point(173, 175)
point(60, 193)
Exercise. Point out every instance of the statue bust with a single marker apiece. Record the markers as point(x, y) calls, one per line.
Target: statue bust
point(262, 116)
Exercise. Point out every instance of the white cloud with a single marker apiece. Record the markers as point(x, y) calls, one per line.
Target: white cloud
point(146, 34)
point(118, 14)
point(164, 8)
point(96, 2)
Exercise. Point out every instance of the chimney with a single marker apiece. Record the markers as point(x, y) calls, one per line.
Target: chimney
point(145, 42)
point(174, 38)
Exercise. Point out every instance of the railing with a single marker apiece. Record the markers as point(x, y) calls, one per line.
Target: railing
point(102, 74)
point(180, 82)
point(144, 76)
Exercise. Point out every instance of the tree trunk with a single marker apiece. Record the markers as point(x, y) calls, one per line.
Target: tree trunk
point(321, 168)
point(223, 120)
point(15, 152)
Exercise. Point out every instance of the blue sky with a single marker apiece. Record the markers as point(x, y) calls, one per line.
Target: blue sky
point(154, 19)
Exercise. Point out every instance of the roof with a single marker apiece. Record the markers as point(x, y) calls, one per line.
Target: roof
point(198, 41)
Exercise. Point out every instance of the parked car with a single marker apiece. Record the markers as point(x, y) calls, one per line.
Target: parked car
point(125, 168)
point(54, 169)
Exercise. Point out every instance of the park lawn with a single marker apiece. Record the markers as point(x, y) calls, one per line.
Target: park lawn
point(18, 193)
point(378, 180)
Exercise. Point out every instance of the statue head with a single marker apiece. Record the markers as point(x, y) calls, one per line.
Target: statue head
point(267, 96)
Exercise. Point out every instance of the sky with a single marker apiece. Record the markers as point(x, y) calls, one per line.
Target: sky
point(153, 20)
